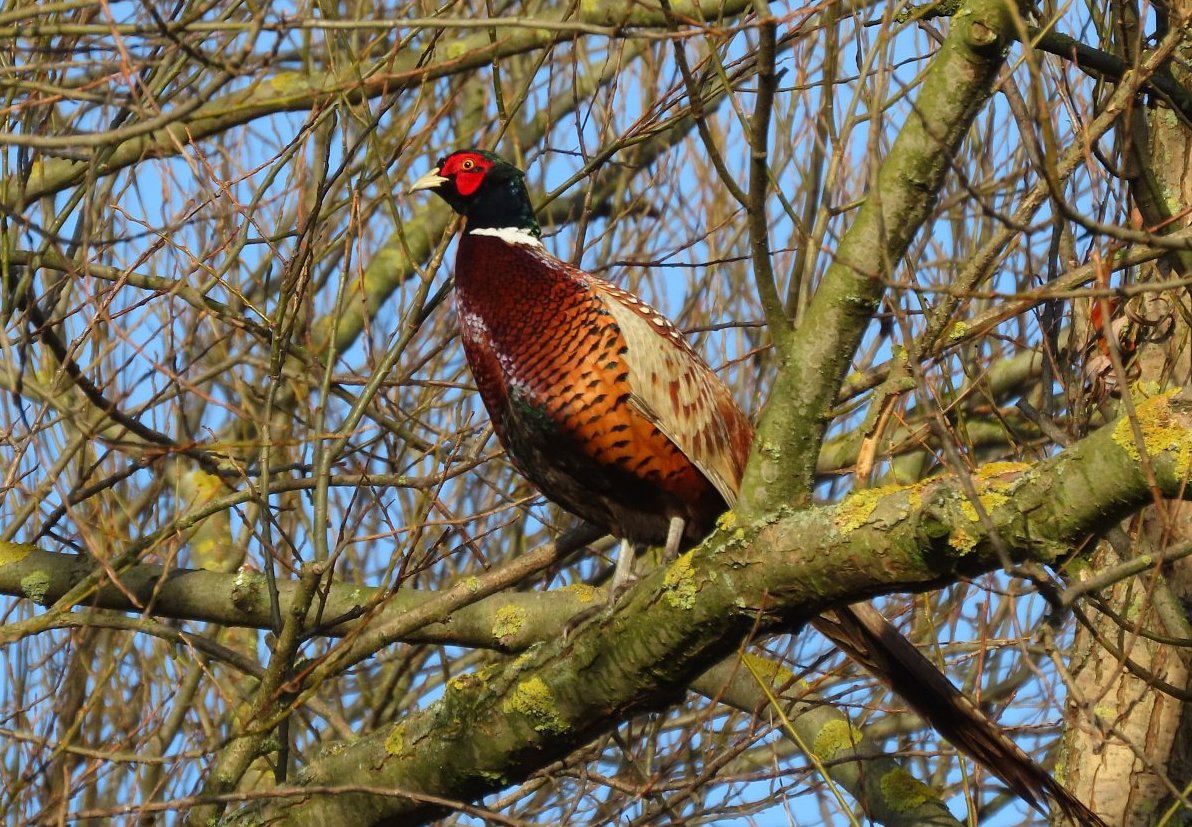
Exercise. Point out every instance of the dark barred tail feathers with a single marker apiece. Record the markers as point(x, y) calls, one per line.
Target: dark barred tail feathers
point(871, 640)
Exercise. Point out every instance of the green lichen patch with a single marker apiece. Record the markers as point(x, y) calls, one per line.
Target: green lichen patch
point(35, 585)
point(679, 586)
point(496, 778)
point(770, 449)
point(14, 552)
point(245, 590)
point(959, 331)
point(834, 737)
point(472, 584)
point(533, 699)
point(734, 540)
point(468, 680)
point(508, 622)
point(1161, 431)
point(1059, 770)
point(521, 660)
point(856, 509)
point(903, 792)
point(290, 83)
point(726, 521)
point(396, 741)
point(1138, 605)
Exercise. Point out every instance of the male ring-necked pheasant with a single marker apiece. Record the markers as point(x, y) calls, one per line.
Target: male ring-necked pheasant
point(596, 397)
point(602, 404)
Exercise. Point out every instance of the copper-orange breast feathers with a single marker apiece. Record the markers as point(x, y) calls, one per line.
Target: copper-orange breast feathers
point(596, 397)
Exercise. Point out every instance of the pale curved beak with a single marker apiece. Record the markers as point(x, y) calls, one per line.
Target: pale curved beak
point(429, 181)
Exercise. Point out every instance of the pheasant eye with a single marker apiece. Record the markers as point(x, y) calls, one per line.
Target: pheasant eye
point(467, 165)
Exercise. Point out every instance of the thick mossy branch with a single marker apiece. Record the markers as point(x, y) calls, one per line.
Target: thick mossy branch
point(496, 728)
point(954, 88)
point(878, 540)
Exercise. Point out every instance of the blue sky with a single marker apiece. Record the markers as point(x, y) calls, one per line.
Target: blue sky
point(176, 216)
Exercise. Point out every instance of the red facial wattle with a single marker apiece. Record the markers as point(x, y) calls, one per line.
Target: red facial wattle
point(467, 183)
point(466, 171)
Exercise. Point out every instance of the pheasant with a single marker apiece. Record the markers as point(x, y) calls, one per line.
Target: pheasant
point(601, 403)
point(597, 398)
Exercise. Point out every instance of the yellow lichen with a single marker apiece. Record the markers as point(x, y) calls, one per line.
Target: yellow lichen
point(679, 586)
point(472, 584)
point(991, 500)
point(903, 792)
point(992, 491)
point(291, 83)
point(509, 621)
point(1160, 429)
point(996, 469)
point(1143, 389)
point(959, 331)
point(532, 698)
point(14, 552)
point(995, 483)
point(961, 540)
point(769, 670)
point(726, 521)
point(37, 174)
point(396, 741)
point(835, 737)
point(583, 592)
point(914, 498)
point(855, 509)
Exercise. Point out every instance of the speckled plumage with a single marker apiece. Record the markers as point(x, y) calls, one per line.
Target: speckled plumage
point(596, 397)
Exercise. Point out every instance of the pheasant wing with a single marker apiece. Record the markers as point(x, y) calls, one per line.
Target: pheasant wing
point(676, 390)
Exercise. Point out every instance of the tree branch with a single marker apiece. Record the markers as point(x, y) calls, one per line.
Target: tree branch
point(690, 614)
point(954, 88)
point(291, 91)
point(494, 727)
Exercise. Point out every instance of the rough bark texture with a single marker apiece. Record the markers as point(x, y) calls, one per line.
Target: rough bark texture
point(1125, 748)
point(500, 725)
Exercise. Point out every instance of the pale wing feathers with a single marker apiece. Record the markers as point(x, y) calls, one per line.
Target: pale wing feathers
point(677, 391)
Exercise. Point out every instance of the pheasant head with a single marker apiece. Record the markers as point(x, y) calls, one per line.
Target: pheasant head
point(484, 188)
